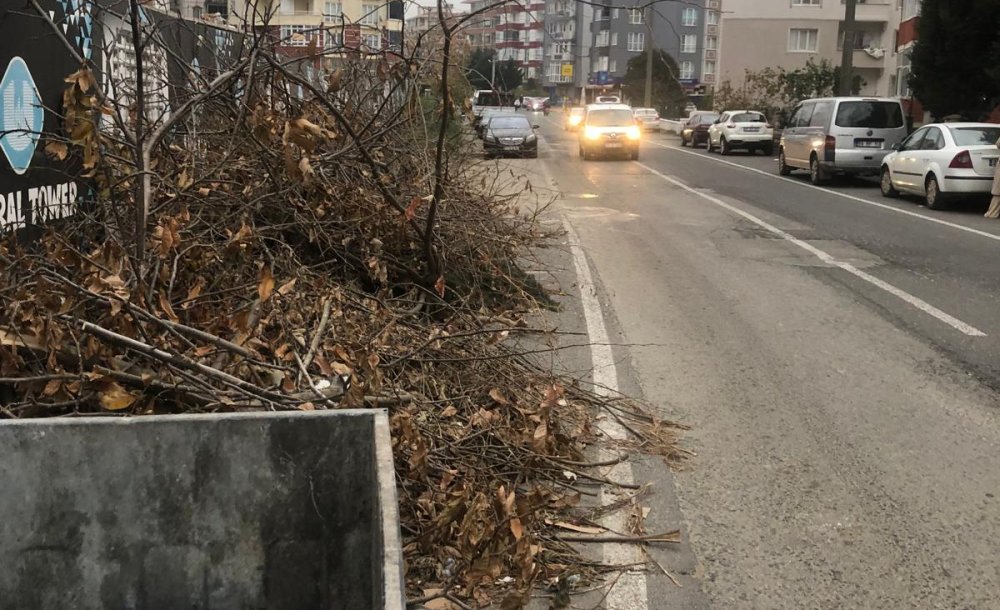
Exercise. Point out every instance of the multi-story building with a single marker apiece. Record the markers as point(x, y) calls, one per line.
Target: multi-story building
point(787, 33)
point(336, 26)
point(198, 9)
point(905, 25)
point(514, 30)
point(687, 31)
point(426, 18)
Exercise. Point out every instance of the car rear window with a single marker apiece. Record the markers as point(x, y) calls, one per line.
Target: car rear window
point(707, 119)
point(494, 99)
point(975, 136)
point(513, 122)
point(870, 115)
point(607, 118)
point(748, 117)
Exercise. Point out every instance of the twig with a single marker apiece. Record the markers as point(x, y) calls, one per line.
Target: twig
point(324, 319)
point(672, 537)
point(659, 565)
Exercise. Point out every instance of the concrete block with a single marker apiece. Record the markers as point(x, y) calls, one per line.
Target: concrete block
point(239, 511)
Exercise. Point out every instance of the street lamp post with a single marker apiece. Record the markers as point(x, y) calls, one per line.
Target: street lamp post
point(648, 98)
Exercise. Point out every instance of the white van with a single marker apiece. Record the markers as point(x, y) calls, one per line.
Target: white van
point(840, 135)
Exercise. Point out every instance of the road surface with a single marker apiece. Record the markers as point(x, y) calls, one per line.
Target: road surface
point(837, 356)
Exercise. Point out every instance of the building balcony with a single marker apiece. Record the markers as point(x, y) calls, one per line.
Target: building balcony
point(863, 59)
point(880, 11)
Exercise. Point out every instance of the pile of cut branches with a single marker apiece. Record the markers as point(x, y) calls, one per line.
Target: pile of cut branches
point(315, 254)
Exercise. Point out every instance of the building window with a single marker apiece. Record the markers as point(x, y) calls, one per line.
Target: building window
point(369, 14)
point(333, 11)
point(614, 39)
point(196, 12)
point(709, 67)
point(613, 66)
point(711, 43)
point(713, 18)
point(911, 8)
point(807, 2)
point(689, 43)
point(636, 41)
point(687, 70)
point(635, 16)
point(902, 88)
point(373, 42)
point(802, 40)
point(511, 35)
point(689, 17)
point(614, 13)
point(602, 64)
point(297, 35)
point(334, 39)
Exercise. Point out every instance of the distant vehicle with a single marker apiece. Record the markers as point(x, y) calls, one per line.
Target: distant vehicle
point(649, 118)
point(510, 135)
point(747, 129)
point(485, 117)
point(484, 99)
point(694, 132)
point(943, 161)
point(609, 129)
point(535, 104)
point(608, 99)
point(573, 118)
point(840, 135)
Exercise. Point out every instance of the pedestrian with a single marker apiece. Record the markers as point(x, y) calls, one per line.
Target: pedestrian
point(994, 211)
point(517, 103)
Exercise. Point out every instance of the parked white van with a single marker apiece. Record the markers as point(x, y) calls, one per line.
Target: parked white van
point(840, 135)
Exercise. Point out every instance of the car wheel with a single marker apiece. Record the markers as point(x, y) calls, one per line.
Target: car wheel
point(783, 168)
point(533, 154)
point(936, 200)
point(816, 174)
point(724, 148)
point(684, 141)
point(768, 149)
point(885, 184)
point(708, 145)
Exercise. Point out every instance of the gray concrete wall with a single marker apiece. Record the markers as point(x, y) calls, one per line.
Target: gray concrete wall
point(277, 510)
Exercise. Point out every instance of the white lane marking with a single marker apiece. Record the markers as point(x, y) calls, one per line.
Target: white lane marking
point(629, 592)
point(920, 304)
point(884, 206)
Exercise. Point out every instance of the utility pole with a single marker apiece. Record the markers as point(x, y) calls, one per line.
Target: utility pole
point(648, 98)
point(847, 58)
point(493, 73)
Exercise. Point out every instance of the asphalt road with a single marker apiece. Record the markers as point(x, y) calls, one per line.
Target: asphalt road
point(837, 356)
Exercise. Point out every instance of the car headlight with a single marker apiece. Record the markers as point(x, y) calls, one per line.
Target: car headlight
point(490, 138)
point(633, 132)
point(574, 120)
point(530, 138)
point(591, 133)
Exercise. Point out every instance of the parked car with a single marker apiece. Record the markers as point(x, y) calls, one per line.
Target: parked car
point(485, 117)
point(746, 129)
point(943, 161)
point(648, 118)
point(573, 118)
point(694, 132)
point(510, 135)
point(840, 135)
point(609, 129)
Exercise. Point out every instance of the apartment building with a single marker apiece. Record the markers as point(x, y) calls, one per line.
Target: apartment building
point(566, 46)
point(515, 30)
point(687, 31)
point(348, 26)
point(199, 9)
point(787, 33)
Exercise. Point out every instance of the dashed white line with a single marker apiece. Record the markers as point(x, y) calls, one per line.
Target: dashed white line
point(920, 304)
point(884, 206)
point(629, 591)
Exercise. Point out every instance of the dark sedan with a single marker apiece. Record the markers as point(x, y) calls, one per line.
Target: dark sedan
point(695, 130)
point(510, 135)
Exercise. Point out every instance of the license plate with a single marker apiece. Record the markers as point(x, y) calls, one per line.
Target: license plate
point(613, 145)
point(510, 147)
point(868, 143)
point(992, 161)
point(751, 129)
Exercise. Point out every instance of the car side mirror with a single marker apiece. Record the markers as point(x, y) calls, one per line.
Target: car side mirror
point(716, 122)
point(897, 146)
point(534, 126)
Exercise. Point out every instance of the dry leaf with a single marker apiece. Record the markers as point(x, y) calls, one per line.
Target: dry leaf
point(286, 287)
point(449, 411)
point(307, 406)
point(57, 150)
point(115, 397)
point(498, 397)
point(51, 387)
point(184, 180)
point(204, 191)
point(583, 529)
point(266, 285)
point(516, 528)
point(194, 292)
point(411, 210)
point(439, 286)
point(166, 307)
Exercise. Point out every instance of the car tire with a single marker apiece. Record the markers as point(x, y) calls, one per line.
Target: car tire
point(724, 148)
point(885, 184)
point(768, 149)
point(684, 141)
point(816, 174)
point(936, 200)
point(708, 145)
point(533, 154)
point(783, 168)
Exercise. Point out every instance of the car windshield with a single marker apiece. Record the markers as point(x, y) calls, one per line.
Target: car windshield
point(708, 119)
point(493, 99)
point(645, 111)
point(975, 136)
point(870, 115)
point(749, 117)
point(607, 118)
point(509, 122)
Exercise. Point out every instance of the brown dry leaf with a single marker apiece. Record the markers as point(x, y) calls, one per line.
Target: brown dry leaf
point(306, 170)
point(167, 308)
point(539, 437)
point(517, 529)
point(287, 287)
point(439, 286)
point(204, 191)
point(497, 396)
point(449, 411)
point(333, 81)
point(194, 292)
point(307, 406)
point(57, 150)
point(439, 603)
point(115, 398)
point(583, 529)
point(265, 287)
point(324, 366)
point(184, 180)
point(52, 387)
point(341, 369)
point(411, 210)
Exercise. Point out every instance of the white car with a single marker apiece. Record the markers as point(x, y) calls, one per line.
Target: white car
point(943, 161)
point(747, 129)
point(648, 118)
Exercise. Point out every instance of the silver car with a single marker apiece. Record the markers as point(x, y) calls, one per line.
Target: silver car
point(840, 135)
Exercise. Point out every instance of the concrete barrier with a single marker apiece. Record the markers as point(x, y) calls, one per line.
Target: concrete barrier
point(269, 510)
point(672, 125)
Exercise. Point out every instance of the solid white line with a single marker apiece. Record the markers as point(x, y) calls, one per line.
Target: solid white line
point(920, 304)
point(629, 592)
point(884, 206)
